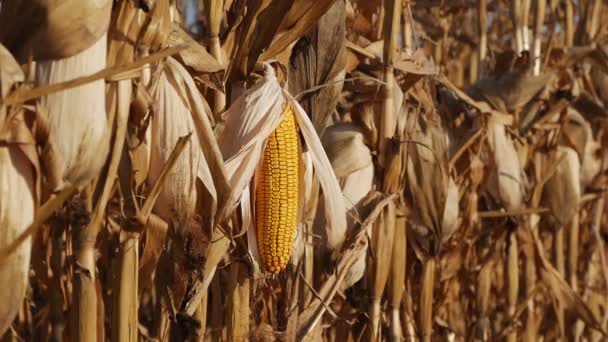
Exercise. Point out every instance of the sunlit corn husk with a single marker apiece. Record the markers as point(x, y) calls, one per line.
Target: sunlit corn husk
point(174, 119)
point(16, 213)
point(52, 29)
point(249, 122)
point(562, 192)
point(78, 124)
point(577, 134)
point(17, 197)
point(506, 182)
point(351, 160)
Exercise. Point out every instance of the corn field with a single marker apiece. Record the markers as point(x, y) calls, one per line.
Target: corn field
point(295, 170)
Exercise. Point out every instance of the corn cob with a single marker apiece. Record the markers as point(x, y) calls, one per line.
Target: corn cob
point(276, 206)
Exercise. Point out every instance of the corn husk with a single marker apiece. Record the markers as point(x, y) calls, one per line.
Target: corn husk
point(53, 29)
point(248, 123)
point(577, 134)
point(562, 192)
point(16, 213)
point(351, 160)
point(506, 181)
point(78, 124)
point(18, 198)
point(174, 119)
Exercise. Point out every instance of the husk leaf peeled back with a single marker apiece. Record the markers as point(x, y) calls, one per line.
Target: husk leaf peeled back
point(248, 123)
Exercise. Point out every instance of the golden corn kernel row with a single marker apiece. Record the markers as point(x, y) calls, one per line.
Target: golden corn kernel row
point(276, 206)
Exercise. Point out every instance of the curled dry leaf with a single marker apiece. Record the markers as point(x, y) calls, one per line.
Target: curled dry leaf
point(562, 192)
point(53, 29)
point(180, 194)
point(248, 124)
point(18, 198)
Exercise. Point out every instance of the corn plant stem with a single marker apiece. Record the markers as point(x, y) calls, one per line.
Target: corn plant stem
point(594, 20)
point(201, 316)
point(219, 97)
point(397, 276)
point(573, 243)
point(538, 26)
point(531, 324)
point(517, 25)
point(382, 245)
point(125, 299)
point(525, 33)
point(512, 280)
point(216, 309)
point(238, 310)
point(84, 309)
point(483, 298)
point(408, 34)
point(56, 297)
point(426, 299)
point(483, 34)
point(560, 265)
point(569, 18)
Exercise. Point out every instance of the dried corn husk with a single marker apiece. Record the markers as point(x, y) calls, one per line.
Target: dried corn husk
point(577, 134)
point(428, 183)
point(178, 199)
point(248, 123)
point(351, 160)
point(53, 29)
point(78, 124)
point(562, 192)
point(506, 182)
point(17, 207)
point(18, 196)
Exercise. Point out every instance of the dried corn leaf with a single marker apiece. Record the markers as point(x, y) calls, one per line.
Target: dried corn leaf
point(255, 35)
point(53, 29)
point(560, 289)
point(301, 16)
point(195, 55)
point(311, 315)
point(511, 92)
point(317, 67)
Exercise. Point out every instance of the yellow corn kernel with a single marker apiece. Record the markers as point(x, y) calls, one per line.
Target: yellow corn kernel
point(276, 206)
